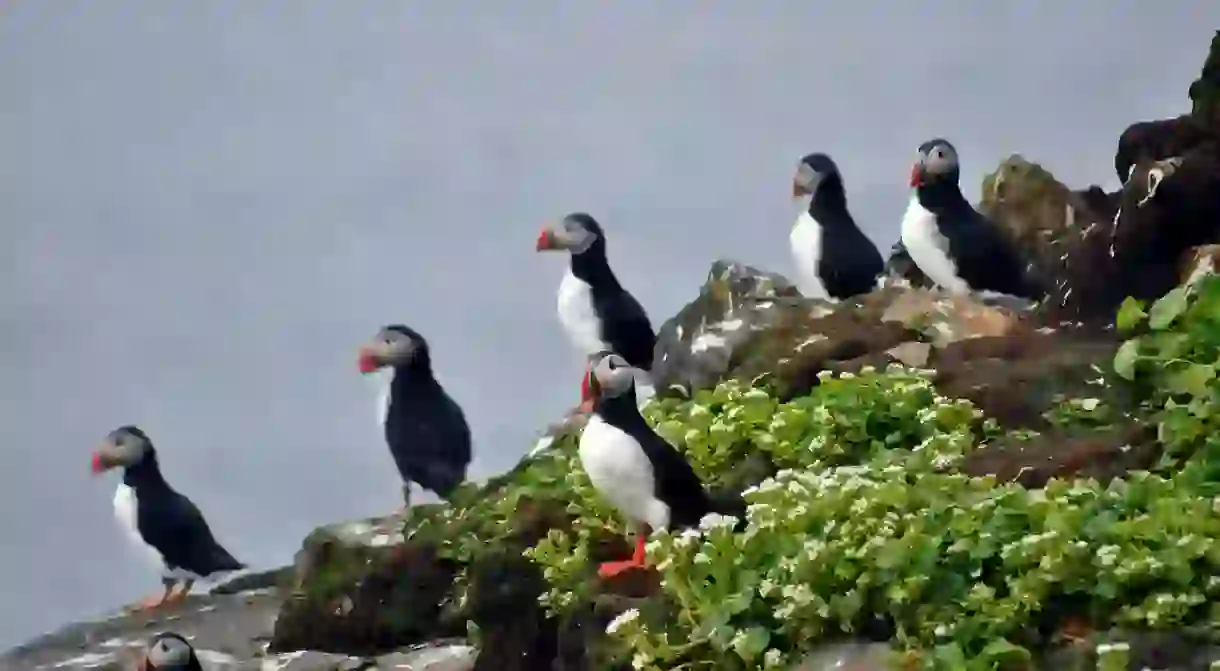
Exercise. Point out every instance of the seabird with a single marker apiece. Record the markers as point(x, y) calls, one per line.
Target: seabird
point(164, 524)
point(169, 652)
point(834, 259)
point(425, 428)
point(596, 312)
point(637, 471)
point(954, 245)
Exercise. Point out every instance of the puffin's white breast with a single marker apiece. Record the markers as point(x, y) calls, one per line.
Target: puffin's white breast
point(621, 471)
point(382, 379)
point(125, 510)
point(929, 249)
point(576, 314)
point(806, 243)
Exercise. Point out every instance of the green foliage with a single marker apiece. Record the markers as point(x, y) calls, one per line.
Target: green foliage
point(868, 523)
point(1174, 360)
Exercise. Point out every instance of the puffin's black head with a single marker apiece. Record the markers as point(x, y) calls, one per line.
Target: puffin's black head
point(815, 172)
point(610, 376)
point(578, 234)
point(936, 163)
point(125, 446)
point(396, 346)
point(169, 652)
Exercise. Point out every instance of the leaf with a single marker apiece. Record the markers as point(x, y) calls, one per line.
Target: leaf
point(750, 644)
point(1192, 380)
point(1000, 653)
point(1125, 358)
point(1168, 307)
point(1130, 314)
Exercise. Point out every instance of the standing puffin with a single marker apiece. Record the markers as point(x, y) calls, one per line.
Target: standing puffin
point(425, 429)
point(596, 312)
point(954, 245)
point(834, 259)
point(158, 520)
point(638, 472)
point(169, 652)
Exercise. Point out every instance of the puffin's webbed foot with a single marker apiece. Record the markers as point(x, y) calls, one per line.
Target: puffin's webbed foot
point(613, 568)
point(180, 595)
point(152, 602)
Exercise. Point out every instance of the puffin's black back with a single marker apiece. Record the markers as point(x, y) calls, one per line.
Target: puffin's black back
point(426, 429)
point(172, 524)
point(985, 258)
point(676, 482)
point(850, 262)
point(624, 323)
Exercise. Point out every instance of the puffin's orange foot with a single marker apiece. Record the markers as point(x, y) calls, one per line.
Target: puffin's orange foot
point(178, 596)
point(613, 568)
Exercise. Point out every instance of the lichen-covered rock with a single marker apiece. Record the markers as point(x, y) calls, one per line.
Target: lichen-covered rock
point(695, 347)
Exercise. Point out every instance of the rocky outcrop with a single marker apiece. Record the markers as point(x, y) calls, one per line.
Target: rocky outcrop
point(1016, 399)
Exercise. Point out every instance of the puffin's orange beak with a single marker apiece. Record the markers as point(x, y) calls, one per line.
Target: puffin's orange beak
point(916, 176)
point(546, 241)
point(368, 361)
point(799, 190)
point(101, 463)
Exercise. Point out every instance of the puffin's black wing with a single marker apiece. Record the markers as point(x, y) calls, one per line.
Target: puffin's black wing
point(991, 262)
point(174, 526)
point(429, 439)
point(676, 482)
point(626, 328)
point(857, 262)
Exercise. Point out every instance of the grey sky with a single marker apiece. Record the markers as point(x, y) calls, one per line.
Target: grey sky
point(207, 206)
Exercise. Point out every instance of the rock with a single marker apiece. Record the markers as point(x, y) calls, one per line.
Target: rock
point(1205, 91)
point(694, 347)
point(229, 630)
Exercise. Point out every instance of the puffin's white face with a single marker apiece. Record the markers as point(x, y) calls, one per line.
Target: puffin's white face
point(937, 159)
point(610, 376)
point(167, 652)
point(810, 173)
point(576, 235)
point(123, 447)
point(394, 346)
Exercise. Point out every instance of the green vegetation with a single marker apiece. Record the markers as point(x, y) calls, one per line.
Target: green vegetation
point(867, 524)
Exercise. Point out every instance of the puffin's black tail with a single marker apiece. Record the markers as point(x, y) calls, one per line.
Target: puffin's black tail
point(729, 504)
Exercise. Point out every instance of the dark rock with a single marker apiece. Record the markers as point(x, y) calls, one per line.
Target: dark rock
point(1168, 207)
point(1205, 91)
point(366, 600)
point(1031, 462)
point(1016, 378)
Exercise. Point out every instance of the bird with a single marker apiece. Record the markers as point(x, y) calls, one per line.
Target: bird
point(648, 480)
point(954, 245)
point(834, 259)
point(168, 651)
point(424, 427)
point(596, 312)
point(164, 524)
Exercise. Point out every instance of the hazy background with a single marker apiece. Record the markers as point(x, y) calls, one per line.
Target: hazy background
point(205, 207)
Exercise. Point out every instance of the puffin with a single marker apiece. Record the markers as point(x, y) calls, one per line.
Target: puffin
point(164, 524)
point(834, 259)
point(954, 245)
point(168, 651)
point(424, 427)
point(637, 471)
point(596, 312)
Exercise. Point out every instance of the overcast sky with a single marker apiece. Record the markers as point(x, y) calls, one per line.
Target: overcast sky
point(207, 206)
